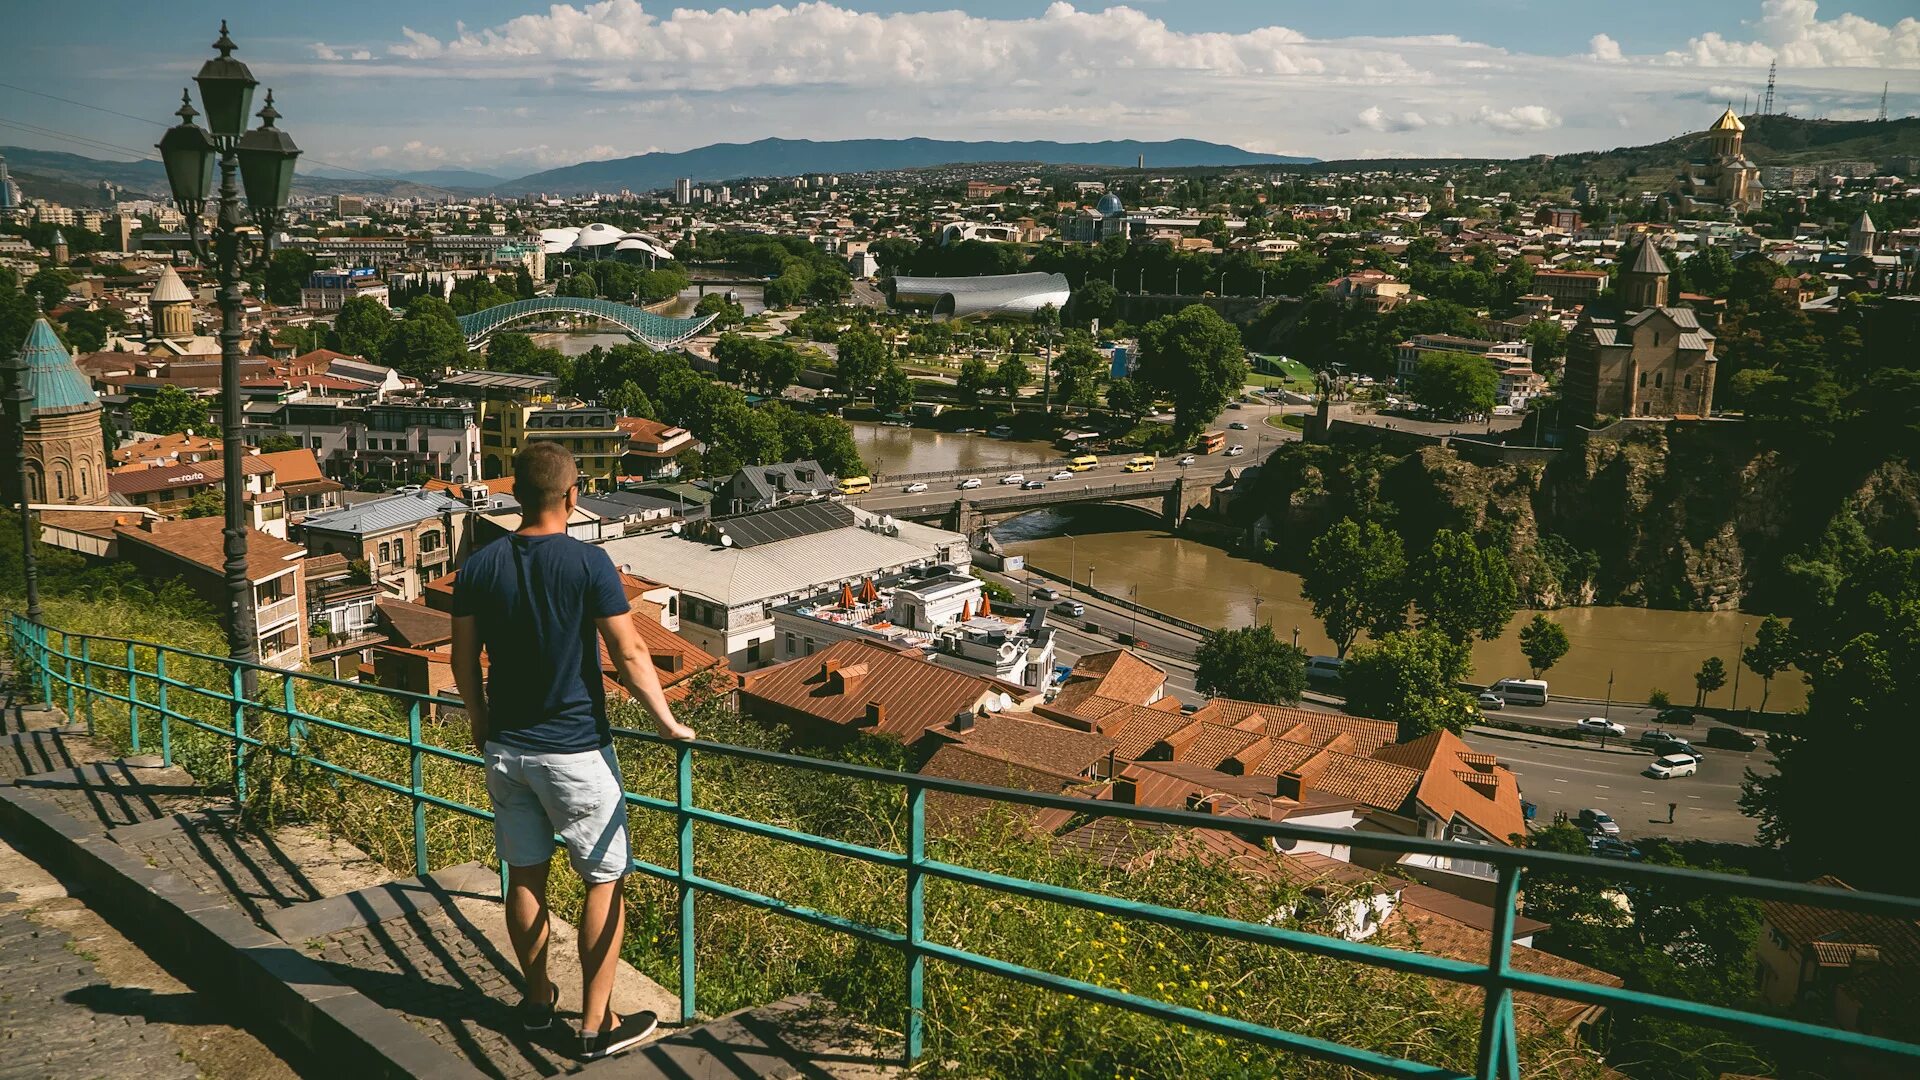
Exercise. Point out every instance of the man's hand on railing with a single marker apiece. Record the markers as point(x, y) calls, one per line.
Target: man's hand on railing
point(674, 729)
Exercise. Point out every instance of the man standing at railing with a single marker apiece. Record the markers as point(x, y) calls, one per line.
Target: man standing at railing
point(536, 602)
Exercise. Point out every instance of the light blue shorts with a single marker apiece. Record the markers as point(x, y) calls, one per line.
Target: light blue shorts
point(581, 797)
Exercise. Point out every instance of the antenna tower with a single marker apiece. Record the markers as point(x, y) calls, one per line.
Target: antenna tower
point(1767, 108)
point(1883, 103)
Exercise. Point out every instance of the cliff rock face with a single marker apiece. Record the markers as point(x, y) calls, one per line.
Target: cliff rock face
point(1674, 516)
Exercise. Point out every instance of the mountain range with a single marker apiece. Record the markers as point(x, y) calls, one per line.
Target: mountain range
point(646, 172)
point(791, 157)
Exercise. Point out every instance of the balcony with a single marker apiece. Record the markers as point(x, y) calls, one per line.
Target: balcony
point(269, 614)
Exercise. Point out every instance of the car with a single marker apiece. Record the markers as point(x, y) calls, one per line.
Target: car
point(1593, 821)
point(1046, 592)
point(1672, 765)
point(1063, 474)
point(1188, 460)
point(969, 483)
point(1238, 425)
point(1014, 478)
point(1071, 607)
point(1731, 739)
point(1491, 702)
point(1033, 485)
point(1595, 725)
point(914, 488)
point(1324, 667)
point(1608, 848)
point(1236, 450)
point(1656, 738)
point(1233, 404)
point(1674, 715)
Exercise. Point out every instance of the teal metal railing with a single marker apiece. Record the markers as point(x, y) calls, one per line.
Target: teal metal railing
point(67, 663)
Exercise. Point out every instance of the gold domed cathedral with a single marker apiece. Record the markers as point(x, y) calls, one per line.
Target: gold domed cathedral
point(65, 448)
point(1727, 181)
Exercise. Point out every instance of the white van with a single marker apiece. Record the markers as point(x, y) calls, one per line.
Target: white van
point(1521, 691)
point(1323, 667)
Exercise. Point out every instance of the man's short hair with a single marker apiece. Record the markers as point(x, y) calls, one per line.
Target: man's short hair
point(542, 474)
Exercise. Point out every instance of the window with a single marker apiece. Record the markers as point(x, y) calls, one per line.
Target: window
point(1643, 380)
point(809, 644)
point(1688, 383)
point(1659, 379)
point(429, 542)
point(386, 552)
point(59, 485)
point(399, 551)
point(790, 645)
point(753, 652)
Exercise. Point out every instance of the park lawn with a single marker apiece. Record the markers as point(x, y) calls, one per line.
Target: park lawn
point(1297, 375)
point(1289, 421)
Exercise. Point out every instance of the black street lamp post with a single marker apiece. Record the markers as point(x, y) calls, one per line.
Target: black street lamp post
point(19, 413)
point(263, 159)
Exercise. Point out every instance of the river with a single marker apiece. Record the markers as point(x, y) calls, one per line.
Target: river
point(894, 450)
point(1639, 648)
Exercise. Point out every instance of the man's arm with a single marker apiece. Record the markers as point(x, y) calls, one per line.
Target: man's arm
point(635, 668)
point(467, 677)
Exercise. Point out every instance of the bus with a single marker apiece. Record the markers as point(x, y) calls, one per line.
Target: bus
point(1212, 442)
point(1083, 463)
point(1140, 464)
point(856, 485)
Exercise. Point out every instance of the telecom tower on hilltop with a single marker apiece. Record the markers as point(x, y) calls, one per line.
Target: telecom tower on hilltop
point(1766, 109)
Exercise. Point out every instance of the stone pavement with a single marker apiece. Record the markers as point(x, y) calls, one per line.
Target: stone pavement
point(417, 971)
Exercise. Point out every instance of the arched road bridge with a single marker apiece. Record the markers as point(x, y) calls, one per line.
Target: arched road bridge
point(659, 331)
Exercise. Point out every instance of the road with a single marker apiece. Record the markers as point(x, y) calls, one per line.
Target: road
point(1571, 778)
point(891, 495)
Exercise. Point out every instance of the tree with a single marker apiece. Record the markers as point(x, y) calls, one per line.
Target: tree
point(974, 379)
point(17, 313)
point(1011, 375)
point(1410, 678)
point(1130, 398)
point(362, 325)
point(427, 340)
point(1194, 358)
point(1249, 664)
point(1851, 759)
point(1077, 371)
point(1355, 580)
point(1543, 642)
point(49, 287)
point(725, 312)
point(1711, 677)
point(287, 275)
point(1095, 299)
point(170, 412)
point(206, 504)
point(825, 439)
point(894, 391)
point(1454, 385)
point(628, 399)
point(1462, 589)
point(279, 443)
point(1769, 655)
point(863, 356)
point(87, 330)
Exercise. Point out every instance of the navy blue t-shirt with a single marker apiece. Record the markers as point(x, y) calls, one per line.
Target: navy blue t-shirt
point(536, 599)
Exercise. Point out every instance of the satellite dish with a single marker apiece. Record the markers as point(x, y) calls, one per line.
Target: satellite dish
point(725, 540)
point(676, 528)
point(887, 521)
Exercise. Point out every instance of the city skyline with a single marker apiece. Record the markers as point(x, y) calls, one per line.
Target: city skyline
point(515, 89)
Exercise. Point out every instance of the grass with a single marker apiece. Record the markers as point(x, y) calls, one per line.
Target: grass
point(1294, 374)
point(1289, 421)
point(977, 1024)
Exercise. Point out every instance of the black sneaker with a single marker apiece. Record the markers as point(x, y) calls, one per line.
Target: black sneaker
point(630, 1032)
point(536, 1017)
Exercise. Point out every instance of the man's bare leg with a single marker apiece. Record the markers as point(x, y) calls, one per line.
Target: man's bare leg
point(527, 927)
point(602, 921)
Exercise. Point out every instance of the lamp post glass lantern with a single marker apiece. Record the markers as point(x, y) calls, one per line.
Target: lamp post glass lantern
point(264, 159)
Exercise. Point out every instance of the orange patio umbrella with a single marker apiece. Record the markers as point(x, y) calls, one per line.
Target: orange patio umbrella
point(867, 591)
point(966, 611)
point(986, 604)
point(846, 595)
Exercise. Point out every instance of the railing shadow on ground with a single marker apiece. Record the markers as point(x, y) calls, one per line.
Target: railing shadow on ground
point(1497, 1055)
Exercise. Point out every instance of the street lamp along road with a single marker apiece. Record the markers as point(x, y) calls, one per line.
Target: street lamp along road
point(264, 159)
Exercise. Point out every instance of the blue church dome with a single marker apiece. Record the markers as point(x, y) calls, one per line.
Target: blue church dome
point(1110, 205)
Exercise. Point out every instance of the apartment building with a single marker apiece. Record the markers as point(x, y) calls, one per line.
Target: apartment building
point(514, 410)
point(398, 437)
point(405, 540)
point(194, 550)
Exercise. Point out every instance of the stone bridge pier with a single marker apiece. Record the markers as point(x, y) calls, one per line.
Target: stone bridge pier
point(1183, 498)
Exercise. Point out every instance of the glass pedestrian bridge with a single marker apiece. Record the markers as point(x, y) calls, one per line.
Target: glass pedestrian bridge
point(658, 331)
point(170, 695)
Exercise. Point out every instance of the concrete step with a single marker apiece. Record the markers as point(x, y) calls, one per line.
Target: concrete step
point(797, 1038)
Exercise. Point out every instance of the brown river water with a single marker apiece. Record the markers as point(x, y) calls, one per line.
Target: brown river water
point(1639, 648)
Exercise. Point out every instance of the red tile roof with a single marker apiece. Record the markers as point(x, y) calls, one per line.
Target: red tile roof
point(202, 542)
point(1117, 675)
point(1490, 800)
point(861, 685)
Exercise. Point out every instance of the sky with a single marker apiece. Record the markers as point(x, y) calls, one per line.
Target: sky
point(512, 86)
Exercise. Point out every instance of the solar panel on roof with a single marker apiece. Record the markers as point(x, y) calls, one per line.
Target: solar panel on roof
point(786, 523)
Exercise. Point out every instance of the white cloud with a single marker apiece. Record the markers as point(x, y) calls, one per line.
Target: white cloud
point(1792, 32)
point(324, 51)
point(1519, 119)
point(1374, 118)
point(1604, 49)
